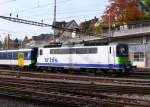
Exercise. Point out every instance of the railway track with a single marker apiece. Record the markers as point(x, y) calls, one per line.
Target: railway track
point(141, 73)
point(89, 79)
point(76, 90)
point(59, 86)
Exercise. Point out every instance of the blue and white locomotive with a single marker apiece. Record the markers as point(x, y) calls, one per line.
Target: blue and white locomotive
point(105, 57)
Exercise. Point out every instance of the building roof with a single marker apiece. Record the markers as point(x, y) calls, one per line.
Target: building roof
point(59, 24)
point(72, 24)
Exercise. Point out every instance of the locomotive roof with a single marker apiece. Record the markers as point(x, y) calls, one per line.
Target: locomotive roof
point(76, 45)
point(73, 44)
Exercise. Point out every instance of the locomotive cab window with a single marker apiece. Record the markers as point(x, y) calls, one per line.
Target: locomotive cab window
point(122, 50)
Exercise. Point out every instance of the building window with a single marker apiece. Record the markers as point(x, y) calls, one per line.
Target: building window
point(139, 56)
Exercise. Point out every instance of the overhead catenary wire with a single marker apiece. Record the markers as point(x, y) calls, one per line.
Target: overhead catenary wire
point(41, 15)
point(39, 6)
point(61, 13)
point(43, 5)
point(58, 13)
point(6, 1)
point(71, 17)
point(14, 34)
point(78, 15)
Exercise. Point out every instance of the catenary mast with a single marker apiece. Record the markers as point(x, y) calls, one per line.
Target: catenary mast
point(54, 20)
point(54, 11)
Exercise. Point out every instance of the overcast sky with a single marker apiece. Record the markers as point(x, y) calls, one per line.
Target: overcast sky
point(36, 10)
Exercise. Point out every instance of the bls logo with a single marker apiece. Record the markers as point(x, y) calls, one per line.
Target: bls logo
point(51, 60)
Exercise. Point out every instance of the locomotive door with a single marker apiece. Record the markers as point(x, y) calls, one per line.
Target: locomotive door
point(111, 56)
point(20, 59)
point(70, 65)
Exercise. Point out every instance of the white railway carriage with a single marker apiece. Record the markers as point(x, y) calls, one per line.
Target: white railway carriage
point(10, 57)
point(100, 57)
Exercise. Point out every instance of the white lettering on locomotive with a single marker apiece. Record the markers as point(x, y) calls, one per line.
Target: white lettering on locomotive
point(51, 60)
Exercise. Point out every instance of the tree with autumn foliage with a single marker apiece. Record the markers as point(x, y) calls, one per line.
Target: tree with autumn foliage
point(121, 12)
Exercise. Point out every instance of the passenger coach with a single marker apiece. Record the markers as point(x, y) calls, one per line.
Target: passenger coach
point(10, 57)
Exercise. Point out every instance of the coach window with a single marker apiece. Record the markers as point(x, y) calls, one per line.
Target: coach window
point(15, 55)
point(29, 55)
point(5, 55)
point(41, 52)
point(26, 55)
point(1, 56)
point(9, 55)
